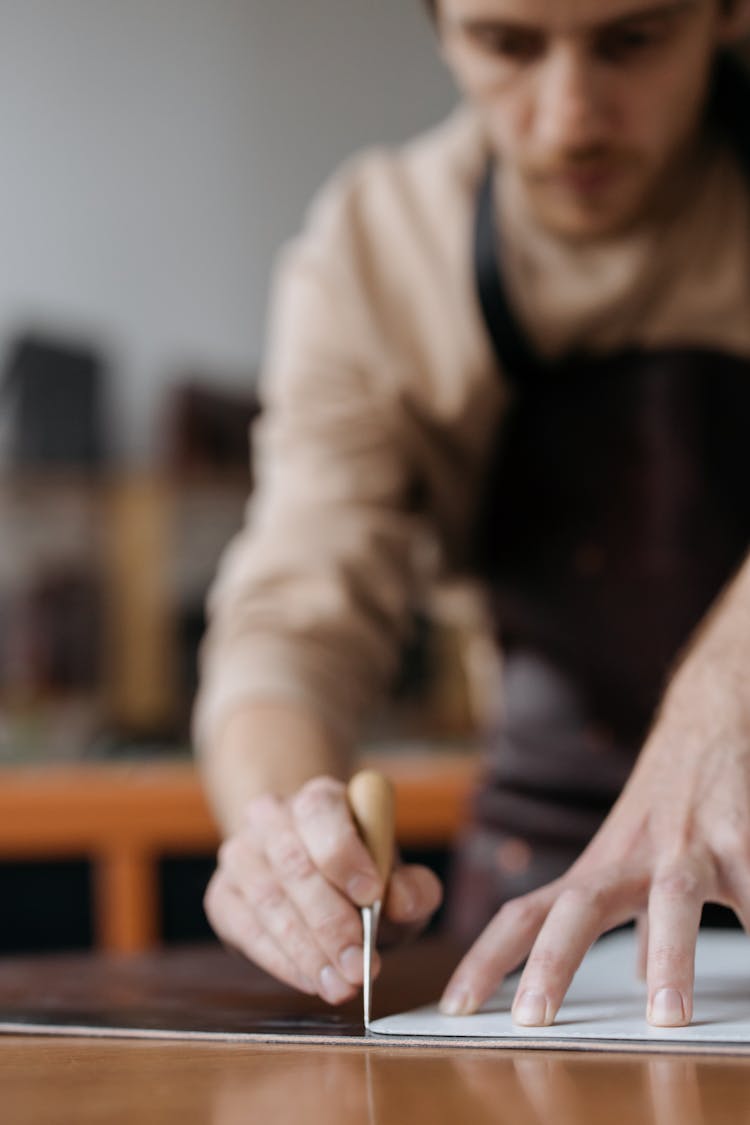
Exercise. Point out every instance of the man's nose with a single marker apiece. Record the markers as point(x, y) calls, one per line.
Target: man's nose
point(570, 108)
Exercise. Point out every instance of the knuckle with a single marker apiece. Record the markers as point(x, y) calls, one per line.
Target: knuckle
point(290, 858)
point(583, 900)
point(338, 927)
point(289, 932)
point(334, 851)
point(672, 958)
point(317, 795)
point(734, 844)
point(677, 883)
point(266, 894)
point(227, 853)
point(518, 913)
point(547, 962)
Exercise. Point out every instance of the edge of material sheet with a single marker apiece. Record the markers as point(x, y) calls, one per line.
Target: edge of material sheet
point(378, 1041)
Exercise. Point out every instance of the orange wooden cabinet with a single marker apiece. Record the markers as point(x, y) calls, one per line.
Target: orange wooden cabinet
point(126, 817)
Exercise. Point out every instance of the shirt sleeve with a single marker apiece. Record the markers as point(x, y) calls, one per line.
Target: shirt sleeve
point(311, 598)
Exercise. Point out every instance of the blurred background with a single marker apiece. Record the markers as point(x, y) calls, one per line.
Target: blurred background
point(156, 155)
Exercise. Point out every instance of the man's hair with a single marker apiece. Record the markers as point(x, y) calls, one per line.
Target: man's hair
point(431, 6)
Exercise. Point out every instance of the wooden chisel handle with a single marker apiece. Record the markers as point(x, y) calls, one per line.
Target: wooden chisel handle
point(373, 806)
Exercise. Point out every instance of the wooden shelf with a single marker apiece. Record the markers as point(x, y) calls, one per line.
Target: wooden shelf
point(126, 817)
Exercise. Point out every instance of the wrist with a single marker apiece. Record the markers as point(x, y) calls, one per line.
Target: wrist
point(266, 748)
point(706, 703)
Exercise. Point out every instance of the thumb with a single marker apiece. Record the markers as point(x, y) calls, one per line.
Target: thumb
point(414, 894)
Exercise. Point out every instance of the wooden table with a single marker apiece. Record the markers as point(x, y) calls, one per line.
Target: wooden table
point(57, 1081)
point(125, 818)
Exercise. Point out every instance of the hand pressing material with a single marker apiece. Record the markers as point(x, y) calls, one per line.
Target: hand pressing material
point(606, 1004)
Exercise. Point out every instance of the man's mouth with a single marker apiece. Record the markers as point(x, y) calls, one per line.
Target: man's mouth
point(585, 180)
point(591, 181)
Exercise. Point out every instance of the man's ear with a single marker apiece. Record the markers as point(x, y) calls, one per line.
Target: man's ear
point(735, 22)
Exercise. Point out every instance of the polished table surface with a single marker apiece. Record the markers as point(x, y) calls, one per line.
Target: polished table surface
point(48, 1080)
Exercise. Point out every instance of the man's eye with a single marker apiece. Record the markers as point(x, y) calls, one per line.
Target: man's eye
point(515, 46)
point(622, 44)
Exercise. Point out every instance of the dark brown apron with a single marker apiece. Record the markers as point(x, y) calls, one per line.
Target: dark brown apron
point(617, 507)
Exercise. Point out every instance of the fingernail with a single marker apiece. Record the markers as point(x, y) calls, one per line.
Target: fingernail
point(363, 890)
point(352, 963)
point(530, 1009)
point(332, 987)
point(457, 1002)
point(667, 1008)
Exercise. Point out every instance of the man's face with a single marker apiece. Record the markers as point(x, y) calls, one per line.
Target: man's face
point(592, 104)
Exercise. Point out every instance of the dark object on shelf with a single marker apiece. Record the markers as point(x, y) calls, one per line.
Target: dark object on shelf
point(66, 624)
point(208, 430)
point(58, 390)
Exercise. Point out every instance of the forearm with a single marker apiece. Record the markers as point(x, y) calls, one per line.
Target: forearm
point(714, 675)
point(269, 747)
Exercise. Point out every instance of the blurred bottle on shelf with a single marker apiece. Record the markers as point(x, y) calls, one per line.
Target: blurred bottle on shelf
point(57, 393)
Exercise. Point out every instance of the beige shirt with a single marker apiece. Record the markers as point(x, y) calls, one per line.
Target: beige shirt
point(382, 399)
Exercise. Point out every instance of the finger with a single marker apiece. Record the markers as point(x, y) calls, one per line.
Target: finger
point(325, 826)
point(578, 917)
point(496, 952)
point(735, 888)
point(414, 894)
point(641, 940)
point(267, 881)
point(236, 924)
point(334, 923)
point(254, 880)
point(674, 914)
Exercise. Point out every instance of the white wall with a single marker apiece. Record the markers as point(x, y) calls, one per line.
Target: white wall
point(156, 152)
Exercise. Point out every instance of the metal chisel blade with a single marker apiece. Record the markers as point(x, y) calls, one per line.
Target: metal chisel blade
point(370, 919)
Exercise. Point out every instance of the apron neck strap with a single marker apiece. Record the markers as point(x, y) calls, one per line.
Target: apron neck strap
point(513, 350)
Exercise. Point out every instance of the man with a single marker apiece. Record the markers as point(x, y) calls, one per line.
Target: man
point(564, 407)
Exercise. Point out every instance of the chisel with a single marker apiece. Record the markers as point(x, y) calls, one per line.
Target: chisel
point(372, 804)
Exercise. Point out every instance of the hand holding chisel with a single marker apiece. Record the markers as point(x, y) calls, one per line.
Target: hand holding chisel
point(293, 877)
